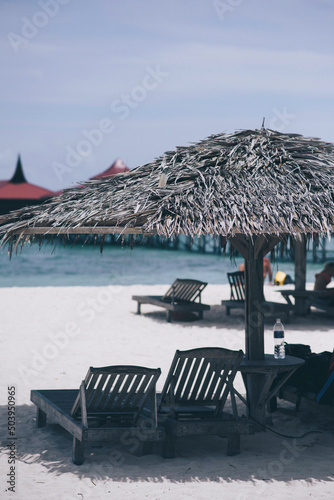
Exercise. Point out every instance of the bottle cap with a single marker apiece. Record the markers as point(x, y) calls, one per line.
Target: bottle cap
point(278, 320)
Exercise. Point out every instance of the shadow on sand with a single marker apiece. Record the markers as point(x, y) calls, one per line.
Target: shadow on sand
point(217, 318)
point(264, 456)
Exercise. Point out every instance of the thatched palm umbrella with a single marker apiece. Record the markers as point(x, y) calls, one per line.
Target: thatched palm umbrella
point(252, 188)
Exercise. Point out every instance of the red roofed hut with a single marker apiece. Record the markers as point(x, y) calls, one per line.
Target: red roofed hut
point(18, 193)
point(117, 167)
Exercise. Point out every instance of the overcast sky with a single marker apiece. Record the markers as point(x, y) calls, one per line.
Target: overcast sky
point(84, 82)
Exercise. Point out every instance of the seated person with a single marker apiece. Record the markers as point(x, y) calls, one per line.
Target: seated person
point(266, 269)
point(323, 279)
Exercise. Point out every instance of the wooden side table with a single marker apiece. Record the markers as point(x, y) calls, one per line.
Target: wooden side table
point(268, 369)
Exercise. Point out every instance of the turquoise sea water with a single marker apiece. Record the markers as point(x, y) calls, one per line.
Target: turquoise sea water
point(86, 266)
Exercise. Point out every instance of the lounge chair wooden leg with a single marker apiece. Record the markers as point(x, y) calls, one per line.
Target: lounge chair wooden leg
point(78, 451)
point(272, 405)
point(233, 444)
point(299, 398)
point(200, 315)
point(169, 316)
point(41, 418)
point(138, 307)
point(144, 448)
point(227, 311)
point(168, 447)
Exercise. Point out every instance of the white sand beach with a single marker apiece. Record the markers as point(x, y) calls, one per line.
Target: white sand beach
point(50, 336)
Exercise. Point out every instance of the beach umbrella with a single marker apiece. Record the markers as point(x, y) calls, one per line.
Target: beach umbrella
point(253, 188)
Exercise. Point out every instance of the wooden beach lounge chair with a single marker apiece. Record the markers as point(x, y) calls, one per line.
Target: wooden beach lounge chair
point(109, 403)
point(193, 398)
point(237, 292)
point(237, 298)
point(311, 298)
point(306, 401)
point(183, 296)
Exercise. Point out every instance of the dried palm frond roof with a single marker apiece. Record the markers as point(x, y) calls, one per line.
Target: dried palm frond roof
point(249, 182)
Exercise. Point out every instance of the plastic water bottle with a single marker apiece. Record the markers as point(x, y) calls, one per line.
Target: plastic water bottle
point(279, 348)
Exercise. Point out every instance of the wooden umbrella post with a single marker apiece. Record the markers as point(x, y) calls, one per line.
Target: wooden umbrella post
point(253, 307)
point(300, 274)
point(253, 250)
point(254, 332)
point(254, 323)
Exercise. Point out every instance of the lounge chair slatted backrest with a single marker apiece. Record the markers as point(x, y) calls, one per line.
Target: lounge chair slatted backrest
point(117, 390)
point(184, 296)
point(202, 377)
point(237, 284)
point(184, 290)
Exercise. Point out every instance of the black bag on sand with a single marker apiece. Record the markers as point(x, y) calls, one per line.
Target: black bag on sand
point(297, 350)
point(313, 374)
point(326, 394)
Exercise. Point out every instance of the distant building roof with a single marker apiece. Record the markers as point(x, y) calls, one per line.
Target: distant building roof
point(17, 188)
point(18, 177)
point(116, 168)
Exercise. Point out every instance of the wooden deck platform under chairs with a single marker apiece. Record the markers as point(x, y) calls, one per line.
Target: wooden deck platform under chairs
point(183, 296)
point(110, 401)
point(194, 396)
point(237, 298)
